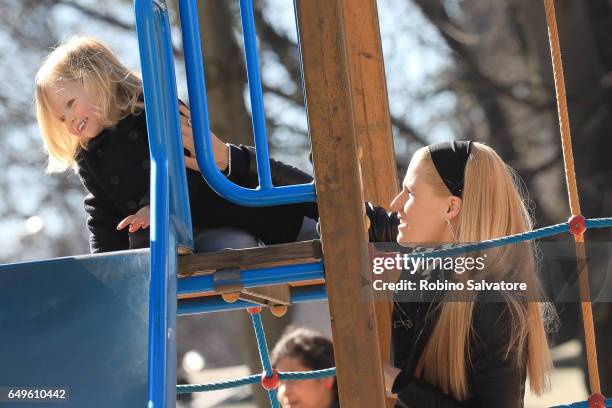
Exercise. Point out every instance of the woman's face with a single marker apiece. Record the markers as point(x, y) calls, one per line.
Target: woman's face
point(423, 215)
point(73, 106)
point(303, 393)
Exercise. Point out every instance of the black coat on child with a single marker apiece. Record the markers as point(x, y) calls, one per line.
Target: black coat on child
point(115, 172)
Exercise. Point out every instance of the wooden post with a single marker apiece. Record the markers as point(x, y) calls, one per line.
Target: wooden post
point(333, 129)
point(373, 126)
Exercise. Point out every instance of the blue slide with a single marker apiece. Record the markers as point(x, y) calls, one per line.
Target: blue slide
point(79, 324)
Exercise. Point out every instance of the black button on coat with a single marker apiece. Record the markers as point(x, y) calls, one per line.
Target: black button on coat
point(115, 172)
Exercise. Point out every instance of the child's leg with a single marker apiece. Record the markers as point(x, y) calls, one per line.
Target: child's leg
point(308, 231)
point(217, 239)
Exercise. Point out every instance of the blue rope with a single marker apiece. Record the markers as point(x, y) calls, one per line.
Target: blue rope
point(512, 239)
point(252, 379)
point(598, 222)
point(583, 404)
point(221, 385)
point(273, 399)
point(260, 335)
point(308, 375)
point(261, 344)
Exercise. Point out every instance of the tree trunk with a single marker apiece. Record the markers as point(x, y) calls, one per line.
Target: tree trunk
point(225, 73)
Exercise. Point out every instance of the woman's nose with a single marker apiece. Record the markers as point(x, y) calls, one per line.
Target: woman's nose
point(396, 203)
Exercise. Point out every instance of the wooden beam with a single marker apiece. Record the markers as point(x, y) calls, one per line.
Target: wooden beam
point(373, 126)
point(250, 258)
point(331, 116)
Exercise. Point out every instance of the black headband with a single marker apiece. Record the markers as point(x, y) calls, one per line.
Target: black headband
point(450, 159)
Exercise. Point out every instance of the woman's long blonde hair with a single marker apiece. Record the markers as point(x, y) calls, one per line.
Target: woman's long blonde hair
point(493, 206)
point(109, 83)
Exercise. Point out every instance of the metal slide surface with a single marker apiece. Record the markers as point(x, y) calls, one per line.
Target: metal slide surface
point(76, 323)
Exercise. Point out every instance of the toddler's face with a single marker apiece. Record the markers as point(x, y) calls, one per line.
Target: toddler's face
point(303, 393)
point(73, 106)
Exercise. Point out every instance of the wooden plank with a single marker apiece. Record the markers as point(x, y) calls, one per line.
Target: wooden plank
point(333, 131)
point(273, 255)
point(271, 295)
point(373, 126)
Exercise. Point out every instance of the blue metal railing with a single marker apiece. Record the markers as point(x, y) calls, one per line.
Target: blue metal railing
point(171, 219)
point(265, 194)
point(300, 294)
point(252, 278)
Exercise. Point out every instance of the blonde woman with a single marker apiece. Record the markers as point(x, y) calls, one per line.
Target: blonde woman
point(90, 111)
point(452, 351)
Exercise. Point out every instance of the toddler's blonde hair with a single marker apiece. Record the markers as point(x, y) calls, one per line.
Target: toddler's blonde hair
point(108, 82)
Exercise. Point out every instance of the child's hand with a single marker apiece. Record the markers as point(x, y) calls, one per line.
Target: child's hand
point(220, 149)
point(136, 221)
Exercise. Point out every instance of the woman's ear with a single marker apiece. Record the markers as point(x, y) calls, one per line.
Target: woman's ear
point(454, 207)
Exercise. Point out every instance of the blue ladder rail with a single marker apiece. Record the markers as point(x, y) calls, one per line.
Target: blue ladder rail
point(266, 193)
point(169, 201)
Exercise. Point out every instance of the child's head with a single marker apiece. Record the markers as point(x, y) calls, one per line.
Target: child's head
point(81, 89)
point(305, 350)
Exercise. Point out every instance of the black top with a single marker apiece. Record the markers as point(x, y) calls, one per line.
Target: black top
point(494, 378)
point(115, 171)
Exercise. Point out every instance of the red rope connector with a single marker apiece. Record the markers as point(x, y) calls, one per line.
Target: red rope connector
point(270, 383)
point(597, 401)
point(254, 310)
point(577, 224)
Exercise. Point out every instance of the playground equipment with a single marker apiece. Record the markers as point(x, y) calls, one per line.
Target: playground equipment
point(82, 325)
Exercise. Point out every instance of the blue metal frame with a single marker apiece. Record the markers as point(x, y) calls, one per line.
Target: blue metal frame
point(256, 277)
point(265, 194)
point(217, 304)
point(168, 200)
